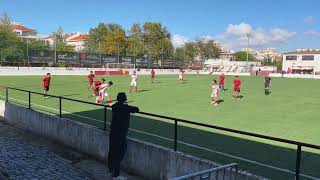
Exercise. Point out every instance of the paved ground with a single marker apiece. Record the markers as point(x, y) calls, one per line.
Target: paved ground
point(28, 157)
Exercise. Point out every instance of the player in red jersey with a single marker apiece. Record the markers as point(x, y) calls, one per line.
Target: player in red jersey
point(221, 82)
point(46, 85)
point(96, 87)
point(236, 88)
point(90, 79)
point(152, 74)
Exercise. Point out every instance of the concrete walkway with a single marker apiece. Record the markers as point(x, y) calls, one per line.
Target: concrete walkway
point(29, 157)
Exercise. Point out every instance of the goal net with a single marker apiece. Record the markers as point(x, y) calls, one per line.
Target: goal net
point(115, 68)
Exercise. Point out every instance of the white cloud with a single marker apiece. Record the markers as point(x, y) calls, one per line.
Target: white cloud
point(239, 29)
point(309, 19)
point(179, 40)
point(312, 33)
point(235, 36)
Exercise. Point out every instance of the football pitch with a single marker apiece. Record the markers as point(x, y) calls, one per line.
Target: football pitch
point(290, 112)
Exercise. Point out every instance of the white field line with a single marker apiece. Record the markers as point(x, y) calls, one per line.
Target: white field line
point(184, 143)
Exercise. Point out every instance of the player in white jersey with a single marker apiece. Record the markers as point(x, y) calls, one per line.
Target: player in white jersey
point(215, 93)
point(103, 93)
point(181, 74)
point(134, 78)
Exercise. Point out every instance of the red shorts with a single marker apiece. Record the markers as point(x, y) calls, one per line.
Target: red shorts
point(236, 89)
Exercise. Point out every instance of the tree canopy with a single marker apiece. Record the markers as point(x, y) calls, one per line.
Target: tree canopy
point(242, 56)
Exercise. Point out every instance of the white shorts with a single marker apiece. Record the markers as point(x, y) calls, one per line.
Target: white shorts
point(214, 95)
point(180, 76)
point(133, 83)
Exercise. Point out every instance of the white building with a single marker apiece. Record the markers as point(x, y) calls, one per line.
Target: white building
point(267, 53)
point(78, 41)
point(74, 39)
point(23, 31)
point(306, 61)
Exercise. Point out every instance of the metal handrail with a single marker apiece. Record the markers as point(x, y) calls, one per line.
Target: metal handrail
point(208, 171)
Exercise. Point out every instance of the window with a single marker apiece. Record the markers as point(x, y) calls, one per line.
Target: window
point(308, 57)
point(291, 57)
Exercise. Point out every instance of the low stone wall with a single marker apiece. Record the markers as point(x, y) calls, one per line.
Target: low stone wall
point(143, 159)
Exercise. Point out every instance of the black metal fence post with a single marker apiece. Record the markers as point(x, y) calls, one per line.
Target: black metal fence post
point(175, 135)
point(29, 100)
point(105, 117)
point(60, 107)
point(298, 162)
point(7, 94)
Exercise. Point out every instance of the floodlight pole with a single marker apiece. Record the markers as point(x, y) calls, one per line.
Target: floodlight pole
point(248, 36)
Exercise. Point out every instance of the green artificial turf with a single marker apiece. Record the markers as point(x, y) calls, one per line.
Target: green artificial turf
point(290, 112)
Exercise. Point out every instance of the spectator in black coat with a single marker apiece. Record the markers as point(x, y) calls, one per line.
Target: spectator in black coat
point(121, 112)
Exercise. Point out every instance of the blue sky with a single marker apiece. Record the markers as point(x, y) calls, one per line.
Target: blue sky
point(282, 24)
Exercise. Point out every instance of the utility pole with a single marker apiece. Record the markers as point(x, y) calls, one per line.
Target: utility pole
point(118, 53)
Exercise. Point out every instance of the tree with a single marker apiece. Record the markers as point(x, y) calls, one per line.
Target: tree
point(269, 62)
point(115, 41)
point(11, 47)
point(157, 41)
point(191, 51)
point(242, 56)
point(135, 41)
point(36, 44)
point(96, 36)
point(208, 49)
point(5, 21)
point(180, 53)
point(59, 41)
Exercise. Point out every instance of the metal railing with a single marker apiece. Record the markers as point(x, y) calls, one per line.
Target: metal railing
point(298, 144)
point(226, 172)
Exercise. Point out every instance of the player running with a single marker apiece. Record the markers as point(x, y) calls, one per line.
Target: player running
point(267, 83)
point(103, 93)
point(46, 85)
point(236, 88)
point(221, 82)
point(215, 93)
point(96, 87)
point(152, 75)
point(90, 79)
point(134, 78)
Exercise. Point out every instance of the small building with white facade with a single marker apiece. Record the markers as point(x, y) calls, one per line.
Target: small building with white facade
point(302, 61)
point(23, 31)
point(76, 40)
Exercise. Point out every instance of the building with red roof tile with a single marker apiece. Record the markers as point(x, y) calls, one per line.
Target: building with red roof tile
point(24, 31)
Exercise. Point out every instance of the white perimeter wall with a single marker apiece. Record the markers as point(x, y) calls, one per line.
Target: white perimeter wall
point(29, 71)
point(23, 71)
